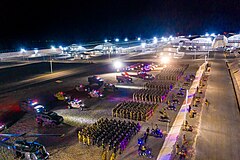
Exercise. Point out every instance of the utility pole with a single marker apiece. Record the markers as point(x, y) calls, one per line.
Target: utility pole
point(51, 68)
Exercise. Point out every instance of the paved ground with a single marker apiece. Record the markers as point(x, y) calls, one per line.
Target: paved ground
point(219, 136)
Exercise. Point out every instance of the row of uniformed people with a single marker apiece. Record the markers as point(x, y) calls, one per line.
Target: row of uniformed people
point(109, 133)
point(150, 95)
point(138, 111)
point(171, 73)
point(168, 75)
point(158, 84)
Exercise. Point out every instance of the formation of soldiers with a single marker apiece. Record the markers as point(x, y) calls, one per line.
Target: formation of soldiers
point(110, 134)
point(145, 100)
point(139, 111)
point(172, 73)
point(150, 95)
point(161, 85)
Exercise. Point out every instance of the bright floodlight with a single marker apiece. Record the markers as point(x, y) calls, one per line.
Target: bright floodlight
point(190, 35)
point(206, 34)
point(105, 40)
point(60, 47)
point(165, 60)
point(23, 50)
point(164, 39)
point(155, 40)
point(171, 37)
point(80, 48)
point(143, 45)
point(213, 34)
point(126, 39)
point(139, 39)
point(53, 48)
point(117, 40)
point(117, 64)
point(35, 51)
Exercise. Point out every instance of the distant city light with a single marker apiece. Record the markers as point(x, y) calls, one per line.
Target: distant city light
point(80, 47)
point(206, 34)
point(143, 45)
point(164, 39)
point(117, 40)
point(53, 48)
point(125, 39)
point(23, 50)
point(35, 51)
point(105, 40)
point(190, 35)
point(213, 34)
point(155, 40)
point(171, 37)
point(60, 47)
point(139, 38)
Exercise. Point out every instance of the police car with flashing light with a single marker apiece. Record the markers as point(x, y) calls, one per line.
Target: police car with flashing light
point(75, 103)
point(31, 105)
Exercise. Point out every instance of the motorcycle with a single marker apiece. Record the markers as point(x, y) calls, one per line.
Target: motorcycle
point(141, 141)
point(156, 133)
point(145, 153)
point(172, 107)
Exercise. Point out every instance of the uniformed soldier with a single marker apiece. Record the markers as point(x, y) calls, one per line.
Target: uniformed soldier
point(131, 114)
point(88, 140)
point(113, 156)
point(177, 148)
point(104, 155)
point(84, 138)
point(79, 136)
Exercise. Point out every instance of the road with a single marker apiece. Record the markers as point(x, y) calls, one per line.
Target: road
point(219, 136)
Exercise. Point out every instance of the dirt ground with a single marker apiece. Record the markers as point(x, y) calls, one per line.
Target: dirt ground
point(68, 147)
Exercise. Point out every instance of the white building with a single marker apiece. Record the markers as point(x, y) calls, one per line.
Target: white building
point(202, 44)
point(219, 42)
point(234, 41)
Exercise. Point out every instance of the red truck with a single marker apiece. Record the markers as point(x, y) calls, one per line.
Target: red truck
point(145, 76)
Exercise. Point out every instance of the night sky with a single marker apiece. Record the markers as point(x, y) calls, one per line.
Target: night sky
point(79, 21)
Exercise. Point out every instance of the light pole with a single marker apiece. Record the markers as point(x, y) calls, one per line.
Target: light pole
point(51, 68)
point(117, 65)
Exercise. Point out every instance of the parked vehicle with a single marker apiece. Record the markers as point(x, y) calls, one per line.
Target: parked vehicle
point(122, 79)
point(95, 79)
point(48, 119)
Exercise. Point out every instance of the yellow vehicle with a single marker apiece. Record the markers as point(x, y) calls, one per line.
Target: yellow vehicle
point(61, 96)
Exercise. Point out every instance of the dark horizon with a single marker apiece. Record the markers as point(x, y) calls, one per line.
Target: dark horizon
point(27, 23)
